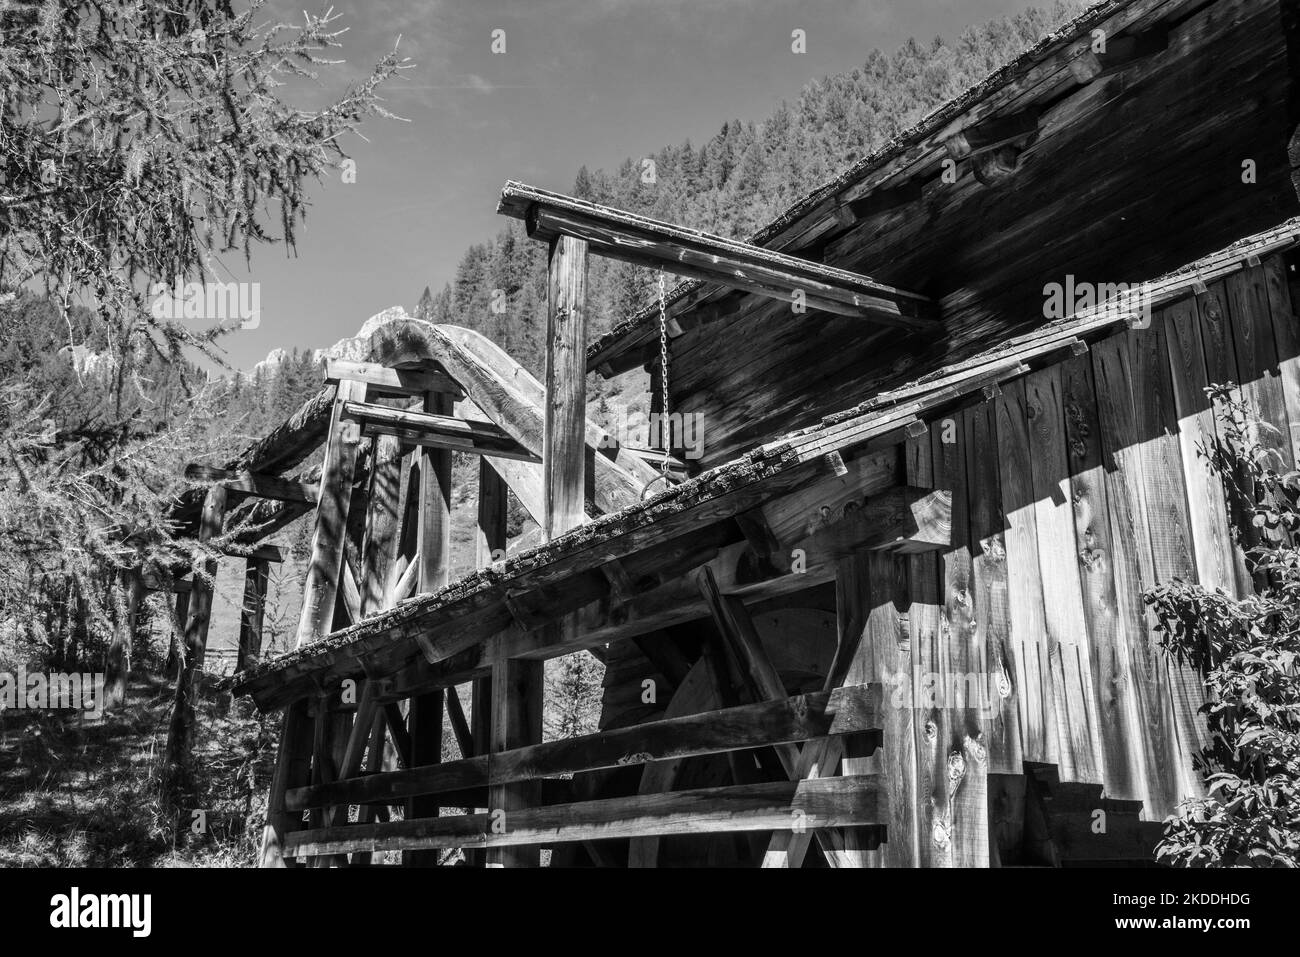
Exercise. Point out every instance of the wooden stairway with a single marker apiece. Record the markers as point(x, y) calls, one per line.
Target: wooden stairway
point(1071, 824)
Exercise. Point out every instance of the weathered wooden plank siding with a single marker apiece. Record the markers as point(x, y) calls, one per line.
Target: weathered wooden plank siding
point(1121, 738)
point(997, 650)
point(1077, 728)
point(1024, 584)
point(962, 684)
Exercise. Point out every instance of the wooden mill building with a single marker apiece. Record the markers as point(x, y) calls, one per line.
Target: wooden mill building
point(952, 406)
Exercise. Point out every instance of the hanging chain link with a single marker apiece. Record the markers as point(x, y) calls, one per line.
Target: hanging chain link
point(665, 432)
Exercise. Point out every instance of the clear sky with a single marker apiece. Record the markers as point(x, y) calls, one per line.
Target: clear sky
point(581, 81)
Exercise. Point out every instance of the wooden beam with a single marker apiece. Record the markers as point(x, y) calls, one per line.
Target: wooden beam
point(784, 720)
point(434, 542)
point(459, 723)
point(382, 380)
point(991, 134)
point(516, 722)
point(904, 521)
point(383, 524)
point(1119, 54)
point(180, 736)
point(879, 201)
point(251, 613)
point(255, 483)
point(564, 450)
point(832, 802)
point(292, 769)
point(438, 431)
point(330, 536)
point(262, 553)
point(687, 252)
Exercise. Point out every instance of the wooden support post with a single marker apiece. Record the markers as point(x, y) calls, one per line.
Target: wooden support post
point(379, 549)
point(119, 650)
point(256, 573)
point(491, 536)
point(516, 722)
point(459, 724)
point(424, 719)
point(292, 770)
point(329, 540)
point(565, 423)
point(517, 684)
point(178, 629)
point(180, 736)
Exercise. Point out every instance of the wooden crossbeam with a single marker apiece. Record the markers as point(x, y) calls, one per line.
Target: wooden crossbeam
point(991, 134)
point(459, 723)
point(688, 252)
point(1119, 54)
point(255, 483)
point(878, 201)
point(260, 553)
point(438, 431)
point(903, 520)
point(768, 806)
point(383, 380)
point(784, 720)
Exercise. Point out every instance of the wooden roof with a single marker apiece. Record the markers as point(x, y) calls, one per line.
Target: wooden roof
point(666, 534)
point(1035, 77)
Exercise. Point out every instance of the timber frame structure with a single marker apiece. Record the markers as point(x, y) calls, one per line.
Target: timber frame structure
point(894, 616)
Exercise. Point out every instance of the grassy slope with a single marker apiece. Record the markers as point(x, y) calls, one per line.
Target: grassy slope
point(85, 793)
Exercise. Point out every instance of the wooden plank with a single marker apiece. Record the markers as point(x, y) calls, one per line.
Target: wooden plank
point(328, 540)
point(424, 722)
point(424, 717)
point(490, 538)
point(1219, 350)
point(1169, 532)
point(870, 592)
point(1257, 358)
point(926, 639)
point(459, 723)
point(992, 618)
point(438, 431)
point(564, 450)
point(1109, 653)
point(902, 521)
point(251, 613)
point(255, 483)
point(1218, 563)
point(963, 683)
point(798, 515)
point(849, 710)
point(1286, 335)
point(383, 380)
point(1080, 757)
point(383, 526)
point(1132, 563)
point(1024, 580)
point(1261, 386)
point(831, 802)
point(516, 722)
point(687, 252)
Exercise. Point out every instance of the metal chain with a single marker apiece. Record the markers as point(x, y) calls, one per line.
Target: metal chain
point(663, 371)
